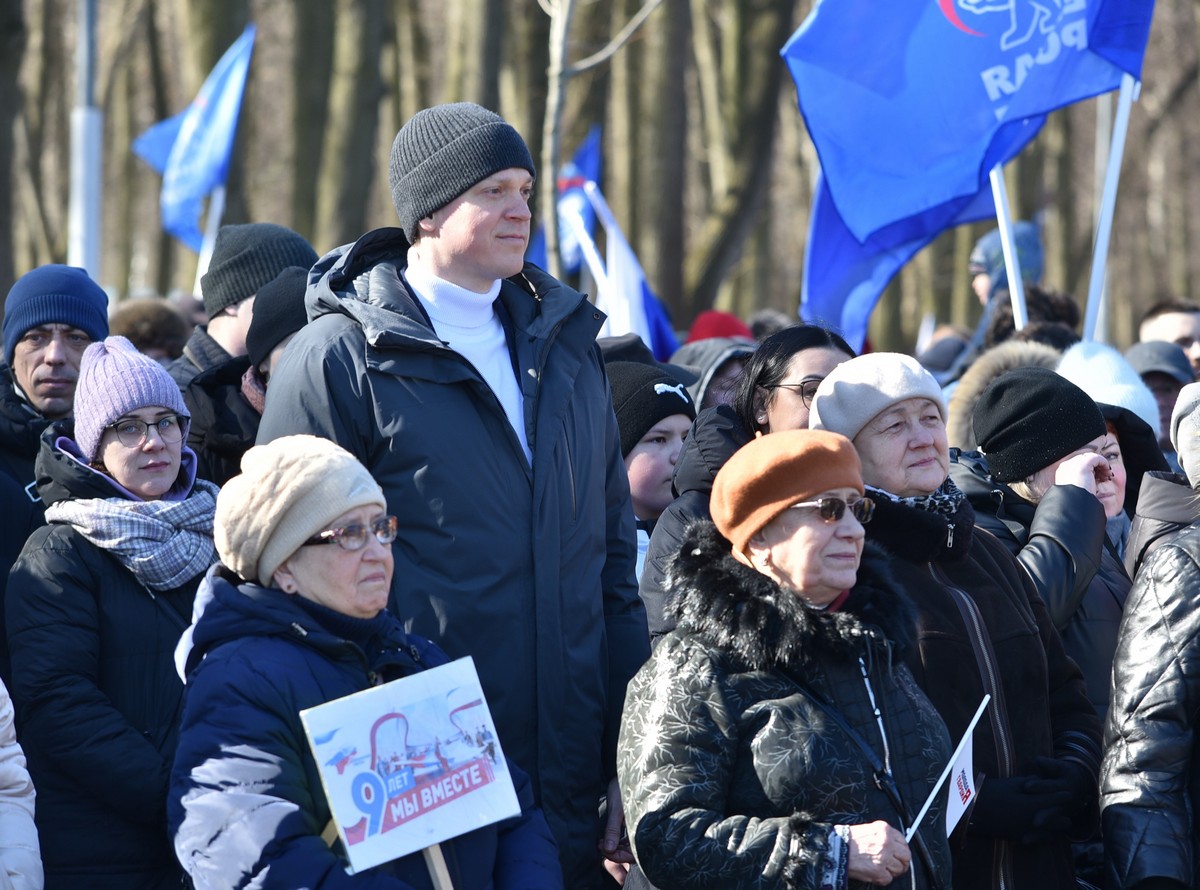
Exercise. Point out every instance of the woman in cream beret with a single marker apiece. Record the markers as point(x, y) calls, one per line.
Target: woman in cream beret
point(295, 615)
point(733, 769)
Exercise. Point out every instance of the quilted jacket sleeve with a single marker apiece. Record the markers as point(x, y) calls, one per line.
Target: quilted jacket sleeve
point(1150, 737)
point(242, 810)
point(20, 858)
point(677, 754)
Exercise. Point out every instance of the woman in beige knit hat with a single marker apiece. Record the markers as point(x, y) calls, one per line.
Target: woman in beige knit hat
point(295, 615)
point(734, 771)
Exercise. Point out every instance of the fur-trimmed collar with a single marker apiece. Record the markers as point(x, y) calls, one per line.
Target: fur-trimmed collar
point(746, 613)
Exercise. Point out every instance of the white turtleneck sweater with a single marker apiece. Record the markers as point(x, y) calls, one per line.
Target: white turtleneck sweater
point(467, 321)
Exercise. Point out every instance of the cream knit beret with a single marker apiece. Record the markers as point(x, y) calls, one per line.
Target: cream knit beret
point(857, 390)
point(289, 490)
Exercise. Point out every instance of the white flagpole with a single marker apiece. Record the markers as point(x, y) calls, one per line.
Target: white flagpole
point(212, 223)
point(912, 829)
point(1016, 285)
point(1108, 203)
point(587, 247)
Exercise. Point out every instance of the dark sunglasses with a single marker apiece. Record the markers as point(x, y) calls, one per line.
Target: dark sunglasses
point(833, 509)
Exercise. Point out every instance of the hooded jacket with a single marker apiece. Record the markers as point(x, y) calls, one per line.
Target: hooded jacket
point(1166, 505)
point(715, 435)
point(1148, 788)
point(97, 697)
point(982, 628)
point(998, 360)
point(732, 775)
point(21, 428)
point(247, 806)
point(529, 568)
point(224, 424)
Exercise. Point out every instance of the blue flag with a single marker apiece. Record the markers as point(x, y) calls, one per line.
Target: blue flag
point(192, 149)
point(911, 104)
point(583, 167)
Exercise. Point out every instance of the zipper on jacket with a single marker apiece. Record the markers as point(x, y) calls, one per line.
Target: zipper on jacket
point(950, 536)
point(989, 676)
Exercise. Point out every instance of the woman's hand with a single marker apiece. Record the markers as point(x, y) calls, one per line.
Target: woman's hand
point(1083, 471)
point(878, 853)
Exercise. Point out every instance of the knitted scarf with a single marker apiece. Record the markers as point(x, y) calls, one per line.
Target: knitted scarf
point(163, 543)
point(945, 501)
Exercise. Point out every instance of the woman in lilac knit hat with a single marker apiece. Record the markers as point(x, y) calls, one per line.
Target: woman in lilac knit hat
point(96, 603)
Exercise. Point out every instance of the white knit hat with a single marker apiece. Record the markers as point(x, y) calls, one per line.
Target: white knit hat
point(1185, 432)
point(1108, 377)
point(289, 490)
point(858, 390)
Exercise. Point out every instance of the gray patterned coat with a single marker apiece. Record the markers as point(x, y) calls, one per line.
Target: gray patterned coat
point(731, 776)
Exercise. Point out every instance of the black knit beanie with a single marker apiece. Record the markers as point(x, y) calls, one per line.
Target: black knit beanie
point(642, 396)
point(245, 258)
point(1029, 418)
point(443, 151)
point(278, 311)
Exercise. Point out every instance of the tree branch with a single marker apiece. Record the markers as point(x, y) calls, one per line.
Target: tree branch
point(616, 43)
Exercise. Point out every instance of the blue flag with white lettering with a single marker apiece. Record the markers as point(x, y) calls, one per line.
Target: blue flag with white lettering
point(192, 149)
point(910, 105)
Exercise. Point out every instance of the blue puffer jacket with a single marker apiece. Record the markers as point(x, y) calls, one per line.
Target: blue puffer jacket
point(246, 805)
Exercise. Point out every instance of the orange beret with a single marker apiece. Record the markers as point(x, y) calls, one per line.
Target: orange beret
point(769, 474)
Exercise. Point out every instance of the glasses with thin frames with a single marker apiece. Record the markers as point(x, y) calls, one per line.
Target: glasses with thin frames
point(833, 509)
point(354, 537)
point(806, 389)
point(132, 432)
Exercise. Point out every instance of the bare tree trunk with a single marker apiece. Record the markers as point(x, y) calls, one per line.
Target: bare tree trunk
point(354, 99)
point(556, 77)
point(671, 138)
point(312, 69)
point(12, 49)
point(751, 84)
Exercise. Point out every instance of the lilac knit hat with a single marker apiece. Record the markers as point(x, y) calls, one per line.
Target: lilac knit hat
point(115, 379)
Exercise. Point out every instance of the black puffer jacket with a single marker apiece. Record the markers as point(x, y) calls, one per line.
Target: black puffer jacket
point(715, 435)
point(961, 578)
point(98, 700)
point(224, 425)
point(1166, 505)
point(1149, 787)
point(731, 775)
point(1054, 540)
point(20, 429)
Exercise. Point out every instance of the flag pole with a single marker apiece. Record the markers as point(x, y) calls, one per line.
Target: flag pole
point(212, 223)
point(962, 743)
point(1108, 203)
point(1016, 285)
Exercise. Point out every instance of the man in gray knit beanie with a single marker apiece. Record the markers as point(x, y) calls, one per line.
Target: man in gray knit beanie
point(470, 384)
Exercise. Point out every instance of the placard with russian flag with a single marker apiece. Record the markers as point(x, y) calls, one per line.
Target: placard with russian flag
point(419, 753)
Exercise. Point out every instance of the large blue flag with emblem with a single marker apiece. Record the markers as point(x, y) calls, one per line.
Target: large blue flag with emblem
point(192, 149)
point(910, 105)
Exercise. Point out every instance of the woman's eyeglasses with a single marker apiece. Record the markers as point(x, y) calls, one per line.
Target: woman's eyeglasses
point(833, 509)
point(806, 389)
point(354, 537)
point(132, 432)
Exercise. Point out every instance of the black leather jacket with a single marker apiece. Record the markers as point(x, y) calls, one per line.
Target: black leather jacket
point(1148, 784)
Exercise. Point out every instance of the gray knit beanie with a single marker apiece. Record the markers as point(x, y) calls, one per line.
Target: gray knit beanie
point(1185, 432)
point(289, 490)
point(245, 258)
point(858, 390)
point(443, 151)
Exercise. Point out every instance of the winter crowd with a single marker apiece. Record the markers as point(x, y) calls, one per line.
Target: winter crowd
point(731, 613)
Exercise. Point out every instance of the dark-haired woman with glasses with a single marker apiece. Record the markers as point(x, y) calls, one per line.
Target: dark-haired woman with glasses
point(776, 737)
point(96, 603)
point(296, 616)
point(771, 395)
point(982, 628)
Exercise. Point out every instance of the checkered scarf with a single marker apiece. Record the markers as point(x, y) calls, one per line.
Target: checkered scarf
point(164, 543)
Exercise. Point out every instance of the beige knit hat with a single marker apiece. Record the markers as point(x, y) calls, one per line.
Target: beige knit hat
point(289, 490)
